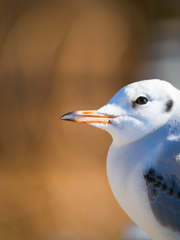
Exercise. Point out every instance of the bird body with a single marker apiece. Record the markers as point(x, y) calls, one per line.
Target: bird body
point(126, 167)
point(143, 162)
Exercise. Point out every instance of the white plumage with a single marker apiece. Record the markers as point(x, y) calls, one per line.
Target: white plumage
point(143, 163)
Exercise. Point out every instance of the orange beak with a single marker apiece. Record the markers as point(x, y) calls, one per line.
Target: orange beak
point(87, 117)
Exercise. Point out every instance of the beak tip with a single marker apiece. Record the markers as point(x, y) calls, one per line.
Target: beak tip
point(62, 118)
point(68, 117)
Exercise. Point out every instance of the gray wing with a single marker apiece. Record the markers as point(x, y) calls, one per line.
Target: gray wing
point(164, 199)
point(163, 187)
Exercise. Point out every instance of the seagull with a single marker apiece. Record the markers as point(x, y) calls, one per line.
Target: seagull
point(143, 162)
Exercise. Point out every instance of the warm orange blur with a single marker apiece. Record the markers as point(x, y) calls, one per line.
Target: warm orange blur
point(57, 57)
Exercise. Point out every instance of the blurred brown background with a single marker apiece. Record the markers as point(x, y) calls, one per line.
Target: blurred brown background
point(56, 57)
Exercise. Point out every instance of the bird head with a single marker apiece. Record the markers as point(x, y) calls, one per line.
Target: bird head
point(134, 112)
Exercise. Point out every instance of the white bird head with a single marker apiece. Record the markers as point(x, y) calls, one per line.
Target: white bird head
point(135, 111)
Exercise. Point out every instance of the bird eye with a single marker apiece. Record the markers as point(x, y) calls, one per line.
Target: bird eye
point(141, 100)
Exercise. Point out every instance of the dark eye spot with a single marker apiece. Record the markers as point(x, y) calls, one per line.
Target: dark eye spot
point(169, 105)
point(141, 100)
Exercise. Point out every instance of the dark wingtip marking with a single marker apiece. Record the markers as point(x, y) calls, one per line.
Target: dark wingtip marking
point(171, 192)
point(159, 178)
point(151, 172)
point(169, 105)
point(157, 184)
point(164, 187)
point(178, 195)
point(149, 179)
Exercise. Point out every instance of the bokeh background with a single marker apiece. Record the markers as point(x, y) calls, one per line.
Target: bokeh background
point(60, 56)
